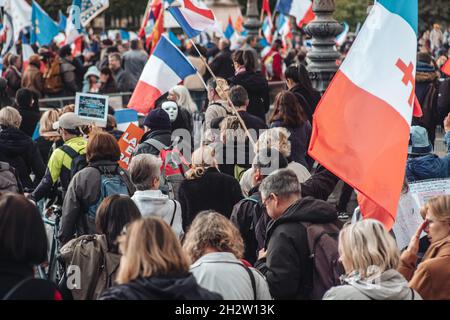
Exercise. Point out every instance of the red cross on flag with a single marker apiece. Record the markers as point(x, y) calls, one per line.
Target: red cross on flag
point(362, 124)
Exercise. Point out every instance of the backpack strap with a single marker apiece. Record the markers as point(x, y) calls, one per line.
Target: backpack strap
point(16, 287)
point(174, 211)
point(250, 274)
point(156, 144)
point(69, 151)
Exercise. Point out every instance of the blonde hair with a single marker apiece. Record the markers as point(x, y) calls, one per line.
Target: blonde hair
point(439, 207)
point(150, 248)
point(368, 248)
point(202, 159)
point(184, 99)
point(277, 138)
point(48, 118)
point(67, 108)
point(10, 118)
point(210, 229)
point(231, 130)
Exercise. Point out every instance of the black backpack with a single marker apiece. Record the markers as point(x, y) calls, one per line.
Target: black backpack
point(79, 161)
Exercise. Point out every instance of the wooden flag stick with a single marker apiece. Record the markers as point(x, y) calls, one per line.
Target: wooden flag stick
point(228, 98)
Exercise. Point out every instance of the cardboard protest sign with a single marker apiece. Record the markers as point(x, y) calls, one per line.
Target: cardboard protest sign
point(408, 214)
point(128, 143)
point(92, 107)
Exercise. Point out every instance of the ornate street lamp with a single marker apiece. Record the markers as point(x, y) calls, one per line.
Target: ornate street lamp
point(322, 58)
point(252, 23)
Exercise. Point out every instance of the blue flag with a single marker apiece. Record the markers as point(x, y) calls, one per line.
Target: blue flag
point(174, 39)
point(62, 21)
point(124, 35)
point(44, 29)
point(229, 31)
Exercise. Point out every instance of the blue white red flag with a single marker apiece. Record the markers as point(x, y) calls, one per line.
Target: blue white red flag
point(193, 18)
point(300, 9)
point(166, 67)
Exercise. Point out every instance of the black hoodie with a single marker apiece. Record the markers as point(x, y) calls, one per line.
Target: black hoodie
point(288, 267)
point(22, 153)
point(160, 288)
point(258, 92)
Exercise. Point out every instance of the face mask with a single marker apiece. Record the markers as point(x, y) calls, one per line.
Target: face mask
point(172, 110)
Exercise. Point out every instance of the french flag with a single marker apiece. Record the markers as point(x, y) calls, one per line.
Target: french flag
point(166, 67)
point(267, 29)
point(361, 126)
point(192, 18)
point(300, 9)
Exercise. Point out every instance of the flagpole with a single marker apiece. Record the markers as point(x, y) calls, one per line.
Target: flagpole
point(228, 98)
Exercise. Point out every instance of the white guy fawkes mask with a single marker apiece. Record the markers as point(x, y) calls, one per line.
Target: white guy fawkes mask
point(172, 110)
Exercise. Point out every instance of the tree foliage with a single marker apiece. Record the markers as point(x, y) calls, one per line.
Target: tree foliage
point(350, 11)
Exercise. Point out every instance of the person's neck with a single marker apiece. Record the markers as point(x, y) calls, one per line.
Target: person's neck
point(287, 203)
point(241, 109)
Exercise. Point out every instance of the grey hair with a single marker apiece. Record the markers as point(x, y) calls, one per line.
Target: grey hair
point(283, 183)
point(144, 168)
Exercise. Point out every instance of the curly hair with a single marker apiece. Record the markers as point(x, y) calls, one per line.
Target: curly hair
point(210, 229)
point(202, 159)
point(277, 138)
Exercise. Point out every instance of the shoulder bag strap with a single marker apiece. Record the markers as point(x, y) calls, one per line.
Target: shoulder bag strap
point(174, 212)
point(69, 151)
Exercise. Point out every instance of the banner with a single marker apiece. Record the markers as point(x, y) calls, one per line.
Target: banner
point(128, 143)
point(408, 215)
point(92, 107)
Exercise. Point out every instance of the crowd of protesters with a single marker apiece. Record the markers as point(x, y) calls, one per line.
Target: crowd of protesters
point(237, 217)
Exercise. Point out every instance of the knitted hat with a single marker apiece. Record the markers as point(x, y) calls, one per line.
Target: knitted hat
point(158, 119)
point(418, 142)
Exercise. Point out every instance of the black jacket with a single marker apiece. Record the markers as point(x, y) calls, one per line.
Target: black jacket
point(309, 101)
point(22, 153)
point(213, 191)
point(160, 288)
point(222, 64)
point(11, 274)
point(288, 267)
point(30, 119)
point(163, 136)
point(299, 138)
point(258, 92)
point(443, 103)
point(250, 217)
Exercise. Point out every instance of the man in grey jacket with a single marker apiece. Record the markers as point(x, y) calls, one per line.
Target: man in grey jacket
point(134, 61)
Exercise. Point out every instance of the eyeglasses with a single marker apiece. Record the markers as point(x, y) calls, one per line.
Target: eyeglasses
point(265, 201)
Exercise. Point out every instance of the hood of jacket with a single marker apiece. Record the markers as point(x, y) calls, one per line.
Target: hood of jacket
point(160, 135)
point(307, 209)
point(14, 142)
point(164, 288)
point(391, 285)
point(252, 81)
point(152, 202)
point(310, 210)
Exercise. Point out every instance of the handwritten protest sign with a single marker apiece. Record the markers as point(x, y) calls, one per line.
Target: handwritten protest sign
point(408, 214)
point(128, 143)
point(92, 107)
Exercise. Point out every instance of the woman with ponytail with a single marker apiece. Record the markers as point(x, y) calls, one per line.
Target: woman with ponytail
point(254, 82)
point(206, 188)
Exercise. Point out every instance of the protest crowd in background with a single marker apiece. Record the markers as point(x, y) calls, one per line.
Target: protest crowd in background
point(206, 191)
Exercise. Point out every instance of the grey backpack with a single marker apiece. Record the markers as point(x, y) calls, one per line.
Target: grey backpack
point(8, 179)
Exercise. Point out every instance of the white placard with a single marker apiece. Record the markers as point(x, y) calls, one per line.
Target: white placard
point(92, 107)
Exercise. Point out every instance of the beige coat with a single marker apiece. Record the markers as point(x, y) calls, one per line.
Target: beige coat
point(194, 82)
point(431, 278)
